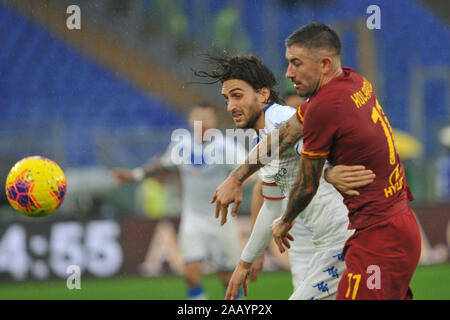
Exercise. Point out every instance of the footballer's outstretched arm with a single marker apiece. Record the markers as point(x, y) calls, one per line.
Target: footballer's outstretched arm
point(122, 175)
point(231, 189)
point(257, 203)
point(302, 192)
point(258, 242)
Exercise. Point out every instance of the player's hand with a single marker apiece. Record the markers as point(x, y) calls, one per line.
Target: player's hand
point(257, 267)
point(238, 279)
point(122, 176)
point(229, 191)
point(281, 235)
point(347, 178)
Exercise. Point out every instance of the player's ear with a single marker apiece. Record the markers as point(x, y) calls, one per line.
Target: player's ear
point(265, 95)
point(326, 64)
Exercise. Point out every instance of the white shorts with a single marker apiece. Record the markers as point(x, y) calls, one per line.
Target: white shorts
point(298, 274)
point(302, 248)
point(220, 246)
point(301, 252)
point(323, 276)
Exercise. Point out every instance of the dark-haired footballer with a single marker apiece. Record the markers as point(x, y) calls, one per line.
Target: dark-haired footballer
point(316, 261)
point(343, 122)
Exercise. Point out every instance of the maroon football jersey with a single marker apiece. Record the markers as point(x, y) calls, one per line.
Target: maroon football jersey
point(345, 123)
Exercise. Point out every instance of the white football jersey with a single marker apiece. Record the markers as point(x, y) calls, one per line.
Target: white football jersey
point(326, 215)
point(282, 171)
point(202, 168)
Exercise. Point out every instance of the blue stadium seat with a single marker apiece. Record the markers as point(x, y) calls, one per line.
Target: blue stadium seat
point(43, 80)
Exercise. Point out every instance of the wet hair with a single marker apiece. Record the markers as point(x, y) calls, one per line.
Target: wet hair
point(314, 36)
point(247, 68)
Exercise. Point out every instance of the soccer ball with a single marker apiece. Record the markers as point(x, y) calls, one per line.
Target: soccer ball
point(36, 186)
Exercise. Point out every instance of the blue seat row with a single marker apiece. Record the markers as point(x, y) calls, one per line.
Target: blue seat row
point(45, 83)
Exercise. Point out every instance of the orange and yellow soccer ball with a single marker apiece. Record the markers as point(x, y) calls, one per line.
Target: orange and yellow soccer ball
point(36, 186)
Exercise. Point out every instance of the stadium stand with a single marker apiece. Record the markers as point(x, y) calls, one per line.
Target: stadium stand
point(47, 83)
point(57, 91)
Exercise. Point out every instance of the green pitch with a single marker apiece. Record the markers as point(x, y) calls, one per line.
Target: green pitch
point(429, 282)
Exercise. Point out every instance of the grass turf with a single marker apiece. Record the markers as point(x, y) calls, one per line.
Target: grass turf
point(429, 283)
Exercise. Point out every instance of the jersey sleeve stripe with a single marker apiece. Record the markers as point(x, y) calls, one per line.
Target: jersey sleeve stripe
point(299, 114)
point(311, 154)
point(271, 184)
point(273, 198)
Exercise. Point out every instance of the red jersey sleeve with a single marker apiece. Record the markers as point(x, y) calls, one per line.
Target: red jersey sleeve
point(300, 113)
point(320, 127)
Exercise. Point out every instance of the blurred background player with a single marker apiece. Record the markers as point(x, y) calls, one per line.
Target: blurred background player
point(249, 90)
point(292, 99)
point(200, 237)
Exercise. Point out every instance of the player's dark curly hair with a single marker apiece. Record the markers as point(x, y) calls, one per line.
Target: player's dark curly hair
point(248, 68)
point(316, 35)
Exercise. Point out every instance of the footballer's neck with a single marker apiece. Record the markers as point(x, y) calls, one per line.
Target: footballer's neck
point(260, 123)
point(336, 72)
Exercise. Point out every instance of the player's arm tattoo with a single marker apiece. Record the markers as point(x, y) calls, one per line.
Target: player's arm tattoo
point(288, 134)
point(304, 188)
